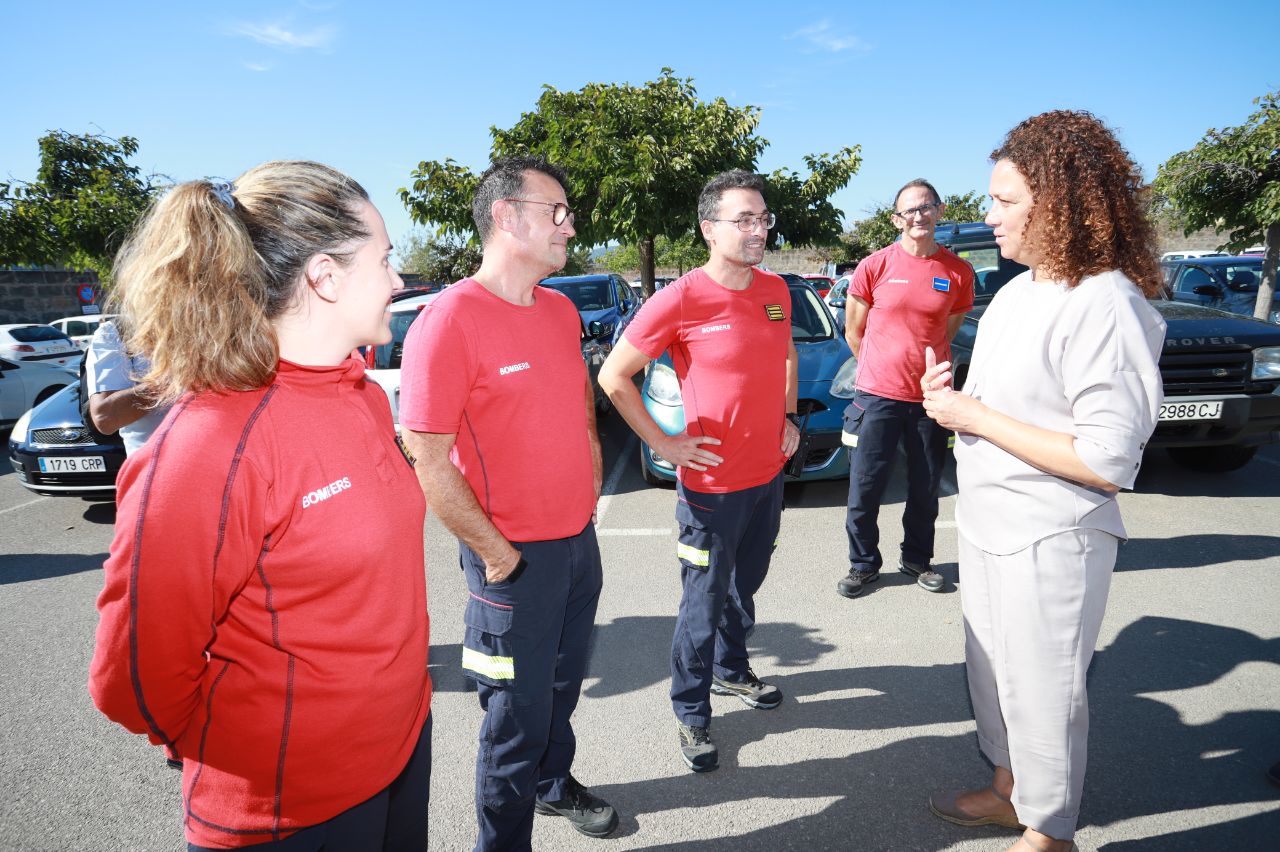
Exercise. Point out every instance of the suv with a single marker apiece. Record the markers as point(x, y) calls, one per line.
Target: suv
point(1221, 371)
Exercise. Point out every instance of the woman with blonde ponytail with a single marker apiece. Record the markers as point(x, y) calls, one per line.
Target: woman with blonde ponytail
point(264, 612)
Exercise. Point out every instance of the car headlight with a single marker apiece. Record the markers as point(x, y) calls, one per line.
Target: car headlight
point(19, 433)
point(664, 387)
point(1275, 316)
point(1266, 364)
point(842, 384)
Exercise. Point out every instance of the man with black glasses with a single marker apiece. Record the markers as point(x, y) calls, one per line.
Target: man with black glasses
point(909, 295)
point(498, 412)
point(727, 326)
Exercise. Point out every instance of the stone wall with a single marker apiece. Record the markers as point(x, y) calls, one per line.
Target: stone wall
point(41, 295)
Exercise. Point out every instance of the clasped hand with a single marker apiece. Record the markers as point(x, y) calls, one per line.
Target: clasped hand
point(955, 411)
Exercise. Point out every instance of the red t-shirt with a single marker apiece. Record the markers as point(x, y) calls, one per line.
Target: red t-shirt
point(510, 382)
point(729, 348)
point(911, 299)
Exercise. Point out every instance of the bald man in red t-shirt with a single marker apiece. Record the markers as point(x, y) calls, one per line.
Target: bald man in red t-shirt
point(727, 327)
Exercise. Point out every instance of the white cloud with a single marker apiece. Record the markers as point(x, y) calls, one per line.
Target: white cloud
point(820, 36)
point(279, 35)
point(256, 66)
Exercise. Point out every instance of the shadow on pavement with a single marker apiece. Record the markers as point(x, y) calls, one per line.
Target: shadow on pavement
point(101, 513)
point(1144, 760)
point(1162, 475)
point(1195, 551)
point(25, 567)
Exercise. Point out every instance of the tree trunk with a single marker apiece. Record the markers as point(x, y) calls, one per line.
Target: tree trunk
point(646, 266)
point(1267, 288)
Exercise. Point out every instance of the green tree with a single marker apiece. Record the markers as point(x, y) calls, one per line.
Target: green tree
point(85, 200)
point(964, 208)
point(438, 258)
point(1230, 181)
point(637, 156)
point(682, 254)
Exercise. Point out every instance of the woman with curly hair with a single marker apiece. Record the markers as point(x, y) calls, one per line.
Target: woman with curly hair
point(1062, 394)
point(264, 613)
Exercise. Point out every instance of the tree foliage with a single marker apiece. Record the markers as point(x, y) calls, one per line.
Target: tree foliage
point(85, 200)
point(683, 254)
point(1230, 181)
point(877, 229)
point(450, 257)
point(637, 157)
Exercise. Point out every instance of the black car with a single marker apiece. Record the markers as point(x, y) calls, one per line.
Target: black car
point(54, 454)
point(1221, 371)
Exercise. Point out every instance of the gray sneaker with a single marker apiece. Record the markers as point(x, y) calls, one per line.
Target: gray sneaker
point(587, 813)
point(753, 691)
point(926, 578)
point(697, 750)
point(851, 584)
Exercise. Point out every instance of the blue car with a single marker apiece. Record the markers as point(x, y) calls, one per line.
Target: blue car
point(827, 372)
point(606, 299)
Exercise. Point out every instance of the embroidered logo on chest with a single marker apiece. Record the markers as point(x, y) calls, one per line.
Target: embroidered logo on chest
point(324, 492)
point(774, 313)
point(942, 285)
point(708, 329)
point(513, 368)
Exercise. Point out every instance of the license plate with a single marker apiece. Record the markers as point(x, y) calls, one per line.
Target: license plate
point(72, 464)
point(1191, 410)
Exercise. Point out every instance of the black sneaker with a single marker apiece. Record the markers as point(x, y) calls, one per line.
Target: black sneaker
point(926, 578)
point(753, 691)
point(851, 585)
point(696, 749)
point(590, 815)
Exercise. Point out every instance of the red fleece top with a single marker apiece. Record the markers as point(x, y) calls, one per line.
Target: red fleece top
point(729, 348)
point(510, 382)
point(264, 614)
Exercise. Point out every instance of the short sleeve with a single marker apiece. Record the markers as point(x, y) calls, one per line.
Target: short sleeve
point(863, 280)
point(437, 373)
point(964, 291)
point(657, 323)
point(107, 366)
point(1112, 382)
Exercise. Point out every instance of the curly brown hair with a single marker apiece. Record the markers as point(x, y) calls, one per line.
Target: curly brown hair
point(1089, 214)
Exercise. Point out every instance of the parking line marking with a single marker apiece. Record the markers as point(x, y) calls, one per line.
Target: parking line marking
point(615, 475)
point(637, 531)
point(23, 505)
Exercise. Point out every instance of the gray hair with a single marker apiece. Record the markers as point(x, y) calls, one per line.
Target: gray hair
point(709, 198)
point(505, 179)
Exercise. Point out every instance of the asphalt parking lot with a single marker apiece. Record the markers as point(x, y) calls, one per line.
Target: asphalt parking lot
point(1185, 688)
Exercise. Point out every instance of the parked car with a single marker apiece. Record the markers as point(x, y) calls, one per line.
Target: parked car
point(1221, 372)
point(837, 299)
point(606, 299)
point(38, 342)
point(827, 370)
point(26, 384)
point(1227, 283)
point(382, 363)
point(821, 283)
point(1183, 254)
point(80, 329)
point(54, 454)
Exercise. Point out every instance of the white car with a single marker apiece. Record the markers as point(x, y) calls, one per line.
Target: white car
point(30, 341)
point(1183, 254)
point(80, 329)
point(26, 384)
point(383, 362)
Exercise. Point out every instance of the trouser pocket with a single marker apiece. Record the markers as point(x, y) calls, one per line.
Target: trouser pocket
point(852, 425)
point(487, 652)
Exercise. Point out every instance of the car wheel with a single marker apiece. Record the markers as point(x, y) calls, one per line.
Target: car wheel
point(46, 393)
point(1213, 459)
point(649, 476)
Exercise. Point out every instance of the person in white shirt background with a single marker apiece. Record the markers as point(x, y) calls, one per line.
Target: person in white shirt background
point(117, 403)
point(1062, 395)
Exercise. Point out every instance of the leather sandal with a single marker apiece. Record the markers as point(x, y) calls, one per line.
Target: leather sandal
point(944, 805)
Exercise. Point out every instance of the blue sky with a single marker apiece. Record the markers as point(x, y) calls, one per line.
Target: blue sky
point(927, 89)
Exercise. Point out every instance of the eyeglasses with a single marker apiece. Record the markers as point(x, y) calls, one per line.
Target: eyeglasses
point(918, 212)
point(748, 224)
point(560, 213)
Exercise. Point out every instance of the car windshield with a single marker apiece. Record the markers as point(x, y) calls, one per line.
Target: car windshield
point(990, 271)
point(387, 356)
point(595, 295)
point(809, 318)
point(37, 333)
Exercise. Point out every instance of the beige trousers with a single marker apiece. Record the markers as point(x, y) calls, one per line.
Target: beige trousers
point(1031, 620)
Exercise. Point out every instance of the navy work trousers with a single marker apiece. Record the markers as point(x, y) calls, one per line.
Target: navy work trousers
point(393, 820)
point(726, 541)
point(526, 645)
point(873, 426)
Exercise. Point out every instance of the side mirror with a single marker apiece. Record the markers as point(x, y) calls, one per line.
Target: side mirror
point(1210, 290)
point(837, 303)
point(595, 328)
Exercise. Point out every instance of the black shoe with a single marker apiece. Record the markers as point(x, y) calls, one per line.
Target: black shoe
point(753, 691)
point(590, 815)
point(696, 749)
point(851, 585)
point(926, 578)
